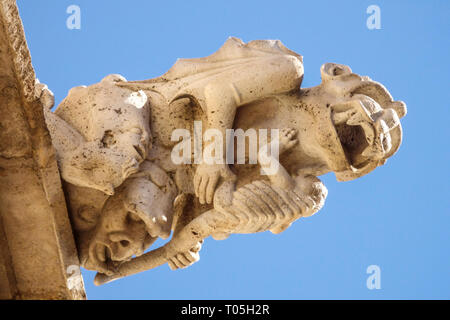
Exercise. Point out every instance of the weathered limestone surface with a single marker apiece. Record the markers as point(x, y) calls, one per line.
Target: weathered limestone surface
point(142, 160)
point(38, 257)
point(127, 183)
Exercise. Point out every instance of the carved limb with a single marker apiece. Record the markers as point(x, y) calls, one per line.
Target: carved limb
point(256, 207)
point(197, 230)
point(248, 212)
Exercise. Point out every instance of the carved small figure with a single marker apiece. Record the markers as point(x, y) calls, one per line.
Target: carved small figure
point(114, 146)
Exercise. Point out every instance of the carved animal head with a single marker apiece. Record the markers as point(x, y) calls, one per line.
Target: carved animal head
point(119, 235)
point(137, 214)
point(365, 121)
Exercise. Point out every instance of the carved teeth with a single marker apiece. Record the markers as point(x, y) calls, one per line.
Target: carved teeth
point(368, 132)
point(355, 120)
point(381, 126)
point(374, 151)
point(387, 142)
point(342, 117)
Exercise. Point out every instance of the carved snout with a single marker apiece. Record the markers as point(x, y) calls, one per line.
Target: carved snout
point(379, 133)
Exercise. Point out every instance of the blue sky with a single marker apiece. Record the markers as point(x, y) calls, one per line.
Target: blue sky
point(397, 217)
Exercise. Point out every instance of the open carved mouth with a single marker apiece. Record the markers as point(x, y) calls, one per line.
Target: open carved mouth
point(116, 248)
point(102, 252)
point(363, 133)
point(100, 258)
point(367, 123)
point(353, 141)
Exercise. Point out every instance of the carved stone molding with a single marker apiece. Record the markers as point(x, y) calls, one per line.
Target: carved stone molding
point(38, 257)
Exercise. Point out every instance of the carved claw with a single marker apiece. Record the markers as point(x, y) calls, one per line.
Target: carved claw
point(185, 259)
point(206, 179)
point(287, 139)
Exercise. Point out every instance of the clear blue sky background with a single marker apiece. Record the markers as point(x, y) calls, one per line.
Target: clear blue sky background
point(397, 217)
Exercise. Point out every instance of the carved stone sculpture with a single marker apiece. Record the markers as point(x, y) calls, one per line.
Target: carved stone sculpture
point(116, 142)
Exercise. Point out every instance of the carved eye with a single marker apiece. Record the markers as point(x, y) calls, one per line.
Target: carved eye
point(108, 139)
point(124, 243)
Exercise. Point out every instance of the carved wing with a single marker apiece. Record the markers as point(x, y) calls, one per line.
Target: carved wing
point(247, 71)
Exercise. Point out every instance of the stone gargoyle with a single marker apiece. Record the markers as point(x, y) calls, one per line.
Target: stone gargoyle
point(129, 180)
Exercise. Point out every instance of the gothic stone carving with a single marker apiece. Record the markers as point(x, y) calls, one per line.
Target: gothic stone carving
point(115, 151)
point(38, 256)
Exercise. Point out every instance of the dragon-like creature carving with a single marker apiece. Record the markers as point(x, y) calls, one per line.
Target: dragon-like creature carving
point(116, 141)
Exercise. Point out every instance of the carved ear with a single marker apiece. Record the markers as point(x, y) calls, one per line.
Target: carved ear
point(332, 71)
point(85, 218)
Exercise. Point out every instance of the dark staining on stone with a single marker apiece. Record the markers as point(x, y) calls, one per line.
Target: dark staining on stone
point(108, 139)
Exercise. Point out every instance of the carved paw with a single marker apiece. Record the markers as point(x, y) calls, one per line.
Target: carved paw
point(185, 259)
point(287, 139)
point(206, 179)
